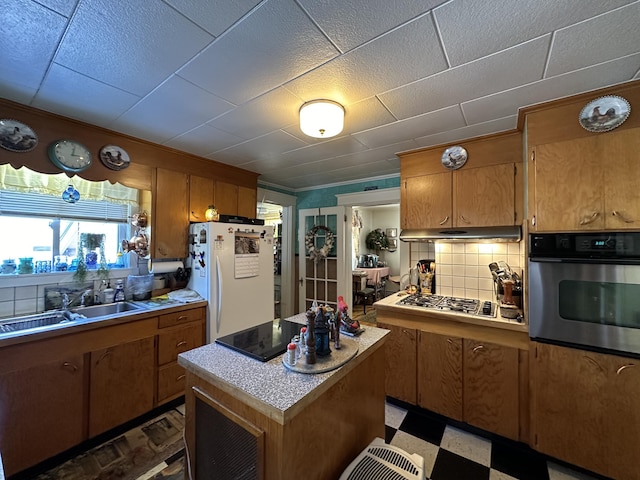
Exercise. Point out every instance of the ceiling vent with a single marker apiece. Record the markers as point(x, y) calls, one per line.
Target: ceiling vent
point(385, 462)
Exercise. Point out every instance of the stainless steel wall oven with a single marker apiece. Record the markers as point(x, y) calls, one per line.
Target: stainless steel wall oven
point(584, 289)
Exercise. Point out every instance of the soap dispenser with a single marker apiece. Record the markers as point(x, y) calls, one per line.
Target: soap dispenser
point(119, 295)
point(109, 294)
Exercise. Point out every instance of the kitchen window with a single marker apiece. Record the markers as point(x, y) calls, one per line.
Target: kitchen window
point(41, 231)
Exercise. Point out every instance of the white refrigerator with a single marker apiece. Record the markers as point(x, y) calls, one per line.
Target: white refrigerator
point(232, 268)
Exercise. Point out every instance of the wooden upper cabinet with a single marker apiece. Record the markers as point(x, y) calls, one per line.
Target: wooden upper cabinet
point(200, 197)
point(226, 198)
point(485, 196)
point(426, 201)
point(170, 217)
point(247, 202)
point(587, 184)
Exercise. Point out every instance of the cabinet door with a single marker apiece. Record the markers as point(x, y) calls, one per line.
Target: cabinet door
point(569, 399)
point(41, 412)
point(427, 201)
point(200, 197)
point(170, 223)
point(622, 170)
point(491, 387)
point(122, 384)
point(247, 202)
point(484, 196)
point(226, 198)
point(568, 192)
point(400, 371)
point(440, 374)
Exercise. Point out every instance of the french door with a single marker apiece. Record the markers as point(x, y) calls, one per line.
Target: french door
point(322, 278)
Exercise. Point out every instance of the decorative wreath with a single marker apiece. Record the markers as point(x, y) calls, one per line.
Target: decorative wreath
point(310, 242)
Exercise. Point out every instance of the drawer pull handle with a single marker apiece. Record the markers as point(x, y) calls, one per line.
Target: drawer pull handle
point(625, 219)
point(624, 367)
point(103, 356)
point(181, 377)
point(183, 317)
point(74, 368)
point(181, 344)
point(445, 220)
point(464, 219)
point(586, 221)
point(478, 348)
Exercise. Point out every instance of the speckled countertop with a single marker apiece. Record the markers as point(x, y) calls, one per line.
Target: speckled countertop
point(270, 387)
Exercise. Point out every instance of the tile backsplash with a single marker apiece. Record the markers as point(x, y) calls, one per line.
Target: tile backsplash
point(462, 269)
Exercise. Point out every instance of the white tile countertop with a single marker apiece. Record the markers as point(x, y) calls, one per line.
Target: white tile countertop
point(270, 387)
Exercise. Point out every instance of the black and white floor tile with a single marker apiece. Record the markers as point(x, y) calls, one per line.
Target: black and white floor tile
point(453, 452)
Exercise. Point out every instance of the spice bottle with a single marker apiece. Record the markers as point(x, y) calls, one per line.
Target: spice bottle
point(291, 354)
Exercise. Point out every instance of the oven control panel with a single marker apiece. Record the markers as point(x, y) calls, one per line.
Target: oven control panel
point(585, 245)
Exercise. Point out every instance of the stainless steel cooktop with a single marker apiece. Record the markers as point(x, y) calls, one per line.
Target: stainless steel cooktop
point(468, 306)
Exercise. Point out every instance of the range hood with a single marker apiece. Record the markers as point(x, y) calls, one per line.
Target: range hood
point(510, 233)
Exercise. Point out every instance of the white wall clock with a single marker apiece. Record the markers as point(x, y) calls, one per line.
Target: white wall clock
point(454, 157)
point(69, 155)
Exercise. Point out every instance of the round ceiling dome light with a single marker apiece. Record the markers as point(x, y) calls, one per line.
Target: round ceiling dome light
point(321, 118)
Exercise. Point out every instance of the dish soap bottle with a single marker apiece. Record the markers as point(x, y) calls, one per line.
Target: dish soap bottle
point(119, 295)
point(108, 293)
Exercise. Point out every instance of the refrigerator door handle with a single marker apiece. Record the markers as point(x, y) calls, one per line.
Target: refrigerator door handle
point(218, 293)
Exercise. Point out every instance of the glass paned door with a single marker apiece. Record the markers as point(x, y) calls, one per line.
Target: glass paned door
point(321, 278)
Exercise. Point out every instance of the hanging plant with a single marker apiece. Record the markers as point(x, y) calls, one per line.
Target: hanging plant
point(377, 240)
point(320, 253)
point(89, 242)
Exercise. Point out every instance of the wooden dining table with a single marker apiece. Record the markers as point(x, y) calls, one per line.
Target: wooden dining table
point(375, 275)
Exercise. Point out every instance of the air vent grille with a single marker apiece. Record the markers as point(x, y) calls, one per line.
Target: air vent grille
point(385, 462)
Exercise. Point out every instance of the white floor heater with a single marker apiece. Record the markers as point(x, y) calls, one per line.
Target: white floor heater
point(381, 461)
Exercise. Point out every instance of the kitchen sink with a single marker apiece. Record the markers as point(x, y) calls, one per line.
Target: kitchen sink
point(34, 321)
point(107, 309)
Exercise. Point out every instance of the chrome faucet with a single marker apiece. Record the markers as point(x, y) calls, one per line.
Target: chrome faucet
point(65, 301)
point(83, 297)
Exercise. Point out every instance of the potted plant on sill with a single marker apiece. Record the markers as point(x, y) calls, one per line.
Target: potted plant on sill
point(91, 253)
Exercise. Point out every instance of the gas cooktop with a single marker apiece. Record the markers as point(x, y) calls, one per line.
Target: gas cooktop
point(469, 306)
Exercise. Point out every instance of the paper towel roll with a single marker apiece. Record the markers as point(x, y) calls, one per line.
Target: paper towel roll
point(165, 267)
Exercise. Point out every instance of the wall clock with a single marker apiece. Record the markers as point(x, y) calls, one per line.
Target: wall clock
point(114, 157)
point(454, 157)
point(69, 155)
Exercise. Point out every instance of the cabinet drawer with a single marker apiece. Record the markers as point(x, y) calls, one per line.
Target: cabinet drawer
point(178, 340)
point(170, 381)
point(178, 318)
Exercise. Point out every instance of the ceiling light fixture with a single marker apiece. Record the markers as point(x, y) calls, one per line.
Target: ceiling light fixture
point(321, 118)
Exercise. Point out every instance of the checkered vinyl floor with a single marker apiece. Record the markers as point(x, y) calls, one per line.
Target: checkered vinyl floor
point(453, 452)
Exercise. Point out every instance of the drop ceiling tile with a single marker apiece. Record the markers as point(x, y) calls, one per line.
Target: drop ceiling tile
point(472, 29)
point(154, 39)
point(203, 140)
point(265, 114)
point(17, 92)
point(378, 66)
point(434, 122)
point(215, 16)
point(581, 45)
point(74, 95)
point(510, 68)
point(27, 50)
point(257, 55)
point(349, 24)
point(459, 134)
point(63, 7)
point(164, 113)
point(507, 103)
point(266, 147)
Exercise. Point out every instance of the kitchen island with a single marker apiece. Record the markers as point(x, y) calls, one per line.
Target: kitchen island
point(294, 425)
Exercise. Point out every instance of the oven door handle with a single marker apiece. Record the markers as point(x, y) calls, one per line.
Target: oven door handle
point(589, 261)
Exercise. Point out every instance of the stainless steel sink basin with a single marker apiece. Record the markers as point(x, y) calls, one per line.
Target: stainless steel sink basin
point(108, 309)
point(34, 321)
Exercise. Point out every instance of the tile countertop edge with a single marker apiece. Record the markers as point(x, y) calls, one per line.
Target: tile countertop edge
point(90, 324)
point(269, 387)
point(389, 304)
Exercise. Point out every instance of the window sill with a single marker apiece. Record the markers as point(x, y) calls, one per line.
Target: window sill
point(35, 279)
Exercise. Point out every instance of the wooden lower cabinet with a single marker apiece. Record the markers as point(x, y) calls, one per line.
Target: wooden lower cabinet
point(41, 412)
point(584, 409)
point(401, 363)
point(121, 384)
point(440, 374)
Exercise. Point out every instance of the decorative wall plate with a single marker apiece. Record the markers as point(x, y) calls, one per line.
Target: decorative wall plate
point(454, 157)
point(114, 157)
point(604, 113)
point(16, 136)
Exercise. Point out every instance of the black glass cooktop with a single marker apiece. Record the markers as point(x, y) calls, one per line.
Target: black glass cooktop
point(262, 342)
